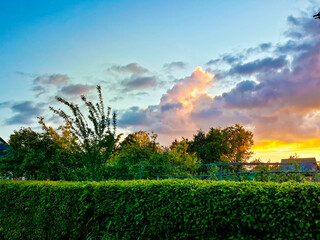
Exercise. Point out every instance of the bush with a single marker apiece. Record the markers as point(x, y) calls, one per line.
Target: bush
point(167, 209)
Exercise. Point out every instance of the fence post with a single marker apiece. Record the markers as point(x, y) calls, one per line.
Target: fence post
point(220, 172)
point(140, 174)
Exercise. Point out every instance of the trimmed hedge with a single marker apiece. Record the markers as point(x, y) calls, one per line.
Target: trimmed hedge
point(166, 209)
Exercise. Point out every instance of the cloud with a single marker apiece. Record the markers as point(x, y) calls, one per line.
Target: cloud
point(5, 104)
point(76, 89)
point(169, 106)
point(132, 117)
point(137, 83)
point(131, 68)
point(43, 83)
point(24, 113)
point(276, 92)
point(259, 65)
point(39, 90)
point(53, 79)
point(174, 66)
point(132, 77)
point(227, 58)
point(172, 115)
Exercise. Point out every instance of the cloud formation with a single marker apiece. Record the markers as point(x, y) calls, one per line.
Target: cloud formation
point(131, 68)
point(132, 77)
point(276, 95)
point(172, 115)
point(24, 113)
point(174, 66)
point(138, 83)
point(53, 79)
point(42, 83)
point(76, 89)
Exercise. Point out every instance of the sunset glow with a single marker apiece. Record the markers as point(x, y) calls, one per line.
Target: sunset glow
point(276, 150)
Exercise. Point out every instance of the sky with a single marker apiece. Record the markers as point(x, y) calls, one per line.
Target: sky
point(172, 67)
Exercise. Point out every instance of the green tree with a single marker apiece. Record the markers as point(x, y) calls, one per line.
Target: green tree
point(97, 140)
point(239, 141)
point(137, 148)
point(35, 156)
point(210, 147)
point(231, 144)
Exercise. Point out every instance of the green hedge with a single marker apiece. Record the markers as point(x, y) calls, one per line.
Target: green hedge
point(167, 209)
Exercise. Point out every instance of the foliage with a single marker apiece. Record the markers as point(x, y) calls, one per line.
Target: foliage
point(97, 141)
point(137, 148)
point(142, 148)
point(36, 156)
point(178, 155)
point(230, 144)
point(167, 209)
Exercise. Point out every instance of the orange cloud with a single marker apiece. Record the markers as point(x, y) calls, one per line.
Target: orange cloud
point(187, 90)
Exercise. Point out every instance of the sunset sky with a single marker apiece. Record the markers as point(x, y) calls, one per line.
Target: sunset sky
point(172, 67)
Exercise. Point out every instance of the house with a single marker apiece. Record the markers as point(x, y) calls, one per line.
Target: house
point(302, 164)
point(3, 147)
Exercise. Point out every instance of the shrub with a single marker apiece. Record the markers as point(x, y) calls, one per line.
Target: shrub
point(167, 209)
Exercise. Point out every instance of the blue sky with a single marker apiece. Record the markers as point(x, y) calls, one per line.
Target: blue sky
point(140, 52)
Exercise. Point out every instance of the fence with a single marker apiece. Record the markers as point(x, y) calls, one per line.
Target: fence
point(221, 165)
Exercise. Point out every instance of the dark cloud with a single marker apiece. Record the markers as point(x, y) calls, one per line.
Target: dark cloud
point(132, 68)
point(137, 83)
point(24, 113)
point(259, 65)
point(76, 89)
point(133, 117)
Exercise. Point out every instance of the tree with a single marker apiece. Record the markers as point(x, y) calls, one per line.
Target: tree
point(35, 156)
point(231, 144)
point(209, 147)
point(137, 148)
point(97, 141)
point(239, 141)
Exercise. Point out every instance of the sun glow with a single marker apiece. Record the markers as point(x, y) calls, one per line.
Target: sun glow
point(276, 150)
